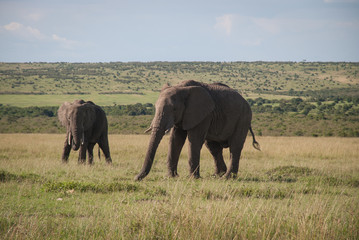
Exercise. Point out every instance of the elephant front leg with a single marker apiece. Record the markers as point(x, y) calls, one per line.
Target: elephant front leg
point(82, 154)
point(66, 152)
point(217, 152)
point(194, 157)
point(194, 150)
point(196, 138)
point(177, 140)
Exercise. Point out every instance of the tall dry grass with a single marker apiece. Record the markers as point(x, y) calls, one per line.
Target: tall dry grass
point(295, 188)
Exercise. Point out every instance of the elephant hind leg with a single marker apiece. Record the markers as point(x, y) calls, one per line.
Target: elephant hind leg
point(216, 150)
point(82, 154)
point(103, 143)
point(90, 152)
point(235, 149)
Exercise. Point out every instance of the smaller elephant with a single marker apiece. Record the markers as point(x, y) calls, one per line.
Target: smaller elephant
point(86, 125)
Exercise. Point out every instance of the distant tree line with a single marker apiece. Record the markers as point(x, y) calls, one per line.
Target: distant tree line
point(348, 106)
point(130, 110)
point(118, 110)
point(336, 94)
point(291, 117)
point(17, 112)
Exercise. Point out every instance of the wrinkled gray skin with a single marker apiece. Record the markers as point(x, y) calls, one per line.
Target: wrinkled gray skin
point(86, 125)
point(210, 114)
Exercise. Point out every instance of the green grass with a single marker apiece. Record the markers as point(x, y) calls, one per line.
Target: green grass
point(62, 80)
point(22, 100)
point(264, 124)
point(295, 188)
point(28, 100)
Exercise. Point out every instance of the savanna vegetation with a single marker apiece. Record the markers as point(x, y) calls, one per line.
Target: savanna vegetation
point(139, 78)
point(291, 117)
point(301, 187)
point(295, 188)
point(288, 98)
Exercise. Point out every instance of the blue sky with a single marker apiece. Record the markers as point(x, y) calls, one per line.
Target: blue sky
point(159, 30)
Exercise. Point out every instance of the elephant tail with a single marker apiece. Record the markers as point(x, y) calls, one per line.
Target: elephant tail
point(99, 153)
point(255, 143)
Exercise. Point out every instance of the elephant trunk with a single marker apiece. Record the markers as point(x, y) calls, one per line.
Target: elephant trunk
point(156, 137)
point(77, 140)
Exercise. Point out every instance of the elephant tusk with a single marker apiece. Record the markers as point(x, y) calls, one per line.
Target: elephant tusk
point(83, 139)
point(148, 130)
point(69, 138)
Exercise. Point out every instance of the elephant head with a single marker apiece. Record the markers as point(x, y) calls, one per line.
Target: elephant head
point(179, 106)
point(77, 117)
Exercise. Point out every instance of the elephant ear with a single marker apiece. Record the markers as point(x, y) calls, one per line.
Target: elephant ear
point(165, 86)
point(197, 107)
point(62, 113)
point(90, 115)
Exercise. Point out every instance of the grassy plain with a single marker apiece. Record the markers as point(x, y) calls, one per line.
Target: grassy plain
point(22, 100)
point(109, 83)
point(295, 188)
point(28, 100)
point(263, 125)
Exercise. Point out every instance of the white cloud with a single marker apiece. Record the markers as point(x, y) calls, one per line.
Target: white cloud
point(57, 38)
point(27, 32)
point(35, 32)
point(13, 26)
point(64, 41)
point(31, 33)
point(224, 23)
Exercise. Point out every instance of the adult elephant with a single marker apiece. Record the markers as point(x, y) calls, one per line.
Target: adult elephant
point(86, 125)
point(213, 114)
